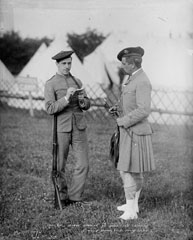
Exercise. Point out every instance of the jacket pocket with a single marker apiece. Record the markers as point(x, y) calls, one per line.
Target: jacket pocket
point(80, 121)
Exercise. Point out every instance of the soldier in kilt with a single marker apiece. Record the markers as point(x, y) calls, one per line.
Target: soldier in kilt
point(135, 148)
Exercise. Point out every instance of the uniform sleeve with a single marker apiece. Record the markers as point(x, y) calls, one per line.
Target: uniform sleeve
point(52, 105)
point(143, 101)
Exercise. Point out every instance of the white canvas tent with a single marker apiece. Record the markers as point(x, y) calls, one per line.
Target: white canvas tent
point(44, 67)
point(7, 80)
point(34, 59)
point(100, 69)
point(110, 47)
point(168, 64)
point(165, 61)
point(8, 85)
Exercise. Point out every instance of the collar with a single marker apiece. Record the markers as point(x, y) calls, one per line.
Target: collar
point(136, 73)
point(133, 76)
point(61, 75)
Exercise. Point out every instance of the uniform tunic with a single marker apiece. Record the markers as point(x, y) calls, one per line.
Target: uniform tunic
point(135, 149)
point(71, 130)
point(55, 102)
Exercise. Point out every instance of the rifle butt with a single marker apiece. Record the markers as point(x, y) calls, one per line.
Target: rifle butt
point(57, 200)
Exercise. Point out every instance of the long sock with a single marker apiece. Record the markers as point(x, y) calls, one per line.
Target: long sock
point(130, 192)
point(138, 179)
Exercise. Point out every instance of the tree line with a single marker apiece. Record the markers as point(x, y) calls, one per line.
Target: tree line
point(15, 51)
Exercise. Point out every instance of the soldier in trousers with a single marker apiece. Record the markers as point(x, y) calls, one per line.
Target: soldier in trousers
point(135, 149)
point(61, 98)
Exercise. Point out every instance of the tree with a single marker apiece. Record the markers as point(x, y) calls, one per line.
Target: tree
point(15, 52)
point(84, 44)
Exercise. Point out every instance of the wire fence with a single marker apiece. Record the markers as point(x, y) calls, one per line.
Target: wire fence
point(169, 107)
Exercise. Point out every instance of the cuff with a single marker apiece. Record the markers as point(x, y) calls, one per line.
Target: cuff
point(66, 99)
point(124, 121)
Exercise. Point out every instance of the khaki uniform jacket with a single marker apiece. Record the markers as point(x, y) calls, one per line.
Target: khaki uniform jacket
point(55, 102)
point(136, 104)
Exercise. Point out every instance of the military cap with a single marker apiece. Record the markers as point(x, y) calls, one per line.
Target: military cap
point(130, 51)
point(62, 55)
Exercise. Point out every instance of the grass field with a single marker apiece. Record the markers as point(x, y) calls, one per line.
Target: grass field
point(26, 201)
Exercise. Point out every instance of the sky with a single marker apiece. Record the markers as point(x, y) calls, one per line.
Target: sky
point(39, 18)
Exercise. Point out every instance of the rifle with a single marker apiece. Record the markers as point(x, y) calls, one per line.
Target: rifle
point(55, 174)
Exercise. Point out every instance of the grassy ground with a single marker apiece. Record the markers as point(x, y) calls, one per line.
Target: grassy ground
point(26, 201)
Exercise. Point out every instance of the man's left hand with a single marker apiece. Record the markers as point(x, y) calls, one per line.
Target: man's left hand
point(119, 122)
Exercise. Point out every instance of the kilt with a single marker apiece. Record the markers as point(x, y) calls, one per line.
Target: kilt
point(135, 152)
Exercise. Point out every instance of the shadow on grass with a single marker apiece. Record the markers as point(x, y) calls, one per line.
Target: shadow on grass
point(104, 189)
point(170, 203)
point(99, 188)
point(152, 200)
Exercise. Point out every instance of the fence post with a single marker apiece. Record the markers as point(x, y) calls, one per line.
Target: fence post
point(31, 105)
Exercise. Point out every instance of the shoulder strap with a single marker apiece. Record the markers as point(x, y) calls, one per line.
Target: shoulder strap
point(75, 81)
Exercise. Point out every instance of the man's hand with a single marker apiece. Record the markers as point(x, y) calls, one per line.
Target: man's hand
point(70, 92)
point(119, 122)
point(114, 110)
